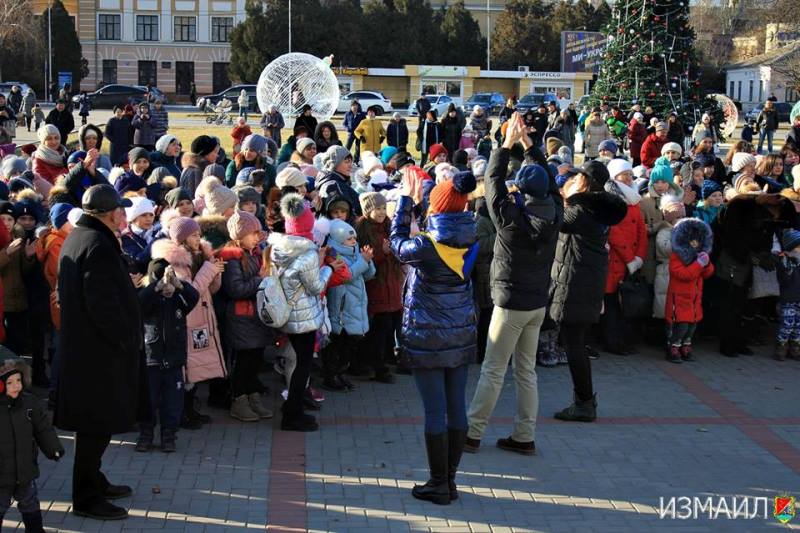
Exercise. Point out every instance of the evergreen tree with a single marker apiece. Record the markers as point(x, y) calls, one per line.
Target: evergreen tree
point(524, 35)
point(461, 37)
point(650, 60)
point(66, 46)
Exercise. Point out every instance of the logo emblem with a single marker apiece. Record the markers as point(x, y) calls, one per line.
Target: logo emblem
point(783, 508)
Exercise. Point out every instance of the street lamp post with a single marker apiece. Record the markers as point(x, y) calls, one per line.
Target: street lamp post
point(290, 26)
point(488, 37)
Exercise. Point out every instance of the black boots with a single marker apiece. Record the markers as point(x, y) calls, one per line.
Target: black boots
point(455, 447)
point(144, 442)
point(437, 489)
point(168, 437)
point(32, 521)
point(580, 410)
point(191, 418)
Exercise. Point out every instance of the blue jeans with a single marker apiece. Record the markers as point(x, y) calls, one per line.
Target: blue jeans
point(769, 134)
point(443, 391)
point(166, 396)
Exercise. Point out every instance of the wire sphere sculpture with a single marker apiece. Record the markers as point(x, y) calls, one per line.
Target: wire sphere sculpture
point(293, 80)
point(730, 113)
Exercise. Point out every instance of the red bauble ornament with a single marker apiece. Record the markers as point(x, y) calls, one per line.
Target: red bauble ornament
point(651, 94)
point(656, 18)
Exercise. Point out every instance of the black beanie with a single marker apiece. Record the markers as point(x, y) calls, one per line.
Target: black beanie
point(204, 145)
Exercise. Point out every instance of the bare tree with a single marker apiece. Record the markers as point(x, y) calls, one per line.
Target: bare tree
point(789, 68)
point(16, 21)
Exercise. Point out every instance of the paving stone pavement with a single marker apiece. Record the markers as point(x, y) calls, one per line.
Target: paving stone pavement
point(715, 428)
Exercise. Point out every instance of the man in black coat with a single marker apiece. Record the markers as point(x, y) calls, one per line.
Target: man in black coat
point(527, 232)
point(61, 118)
point(100, 378)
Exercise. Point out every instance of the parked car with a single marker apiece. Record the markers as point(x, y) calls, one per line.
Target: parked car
point(110, 95)
point(532, 101)
point(367, 99)
point(492, 103)
point(232, 94)
point(783, 108)
point(439, 102)
point(5, 87)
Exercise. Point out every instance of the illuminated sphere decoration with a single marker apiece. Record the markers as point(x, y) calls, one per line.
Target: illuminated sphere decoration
point(293, 80)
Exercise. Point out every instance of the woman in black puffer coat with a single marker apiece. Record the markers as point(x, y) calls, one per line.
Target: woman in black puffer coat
point(579, 274)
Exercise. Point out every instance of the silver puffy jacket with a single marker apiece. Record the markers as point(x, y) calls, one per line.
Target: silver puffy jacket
point(297, 261)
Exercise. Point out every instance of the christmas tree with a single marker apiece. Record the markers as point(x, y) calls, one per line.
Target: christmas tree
point(650, 60)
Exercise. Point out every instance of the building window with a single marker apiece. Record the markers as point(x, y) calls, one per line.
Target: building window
point(739, 91)
point(109, 27)
point(185, 29)
point(751, 90)
point(731, 92)
point(147, 73)
point(146, 27)
point(109, 71)
point(760, 90)
point(791, 95)
point(219, 77)
point(221, 29)
point(184, 76)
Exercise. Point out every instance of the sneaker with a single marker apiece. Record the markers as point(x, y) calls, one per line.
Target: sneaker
point(144, 442)
point(686, 352)
point(241, 410)
point(674, 354)
point(472, 445)
point(591, 353)
point(315, 394)
point(509, 444)
point(257, 406)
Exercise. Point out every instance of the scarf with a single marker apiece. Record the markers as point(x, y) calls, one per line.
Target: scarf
point(50, 156)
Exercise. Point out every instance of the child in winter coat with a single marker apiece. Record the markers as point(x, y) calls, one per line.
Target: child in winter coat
point(192, 259)
point(165, 302)
point(711, 204)
point(347, 305)
point(383, 291)
point(673, 210)
point(788, 338)
point(38, 115)
point(24, 426)
point(139, 234)
point(247, 335)
point(689, 265)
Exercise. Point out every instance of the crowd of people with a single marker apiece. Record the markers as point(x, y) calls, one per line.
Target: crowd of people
point(139, 274)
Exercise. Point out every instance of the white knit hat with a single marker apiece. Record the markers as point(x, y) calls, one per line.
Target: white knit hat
point(671, 147)
point(741, 160)
point(618, 166)
point(141, 206)
point(290, 176)
point(370, 162)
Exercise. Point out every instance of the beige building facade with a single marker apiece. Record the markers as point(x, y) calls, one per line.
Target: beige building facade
point(167, 43)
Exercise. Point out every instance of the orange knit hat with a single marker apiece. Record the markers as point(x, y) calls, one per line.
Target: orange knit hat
point(451, 196)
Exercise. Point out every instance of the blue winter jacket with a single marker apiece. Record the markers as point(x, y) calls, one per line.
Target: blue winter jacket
point(438, 328)
point(352, 120)
point(347, 303)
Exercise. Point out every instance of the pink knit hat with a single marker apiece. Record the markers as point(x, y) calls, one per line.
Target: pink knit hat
point(181, 228)
point(298, 218)
point(242, 224)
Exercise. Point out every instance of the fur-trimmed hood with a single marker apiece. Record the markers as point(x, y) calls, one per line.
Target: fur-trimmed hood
point(629, 194)
point(82, 135)
point(16, 364)
point(687, 230)
point(192, 160)
point(604, 207)
point(212, 223)
point(175, 254)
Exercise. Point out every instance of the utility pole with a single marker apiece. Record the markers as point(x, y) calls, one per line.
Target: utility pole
point(488, 39)
point(290, 26)
point(49, 49)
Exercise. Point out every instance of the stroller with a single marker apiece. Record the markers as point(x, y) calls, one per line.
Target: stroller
point(216, 114)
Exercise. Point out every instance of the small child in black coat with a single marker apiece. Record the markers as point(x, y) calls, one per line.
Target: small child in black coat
point(24, 425)
point(748, 131)
point(165, 303)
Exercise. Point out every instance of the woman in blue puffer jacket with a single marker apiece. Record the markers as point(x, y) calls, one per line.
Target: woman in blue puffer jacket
point(439, 333)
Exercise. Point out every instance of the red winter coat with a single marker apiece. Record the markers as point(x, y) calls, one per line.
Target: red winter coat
point(626, 240)
point(651, 150)
point(685, 291)
point(637, 133)
point(384, 291)
point(47, 171)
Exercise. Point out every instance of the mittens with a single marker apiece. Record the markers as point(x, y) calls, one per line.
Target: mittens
point(634, 265)
point(703, 259)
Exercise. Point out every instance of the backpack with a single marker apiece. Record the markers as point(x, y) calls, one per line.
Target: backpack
point(271, 304)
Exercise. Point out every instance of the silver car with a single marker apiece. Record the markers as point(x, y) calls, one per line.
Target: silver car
point(439, 103)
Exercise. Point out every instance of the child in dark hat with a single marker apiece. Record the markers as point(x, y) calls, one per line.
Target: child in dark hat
point(25, 427)
point(165, 302)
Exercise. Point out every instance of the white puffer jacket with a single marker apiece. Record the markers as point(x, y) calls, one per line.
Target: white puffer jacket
point(661, 281)
point(297, 263)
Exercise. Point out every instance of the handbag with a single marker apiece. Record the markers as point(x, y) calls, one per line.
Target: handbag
point(765, 283)
point(636, 296)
